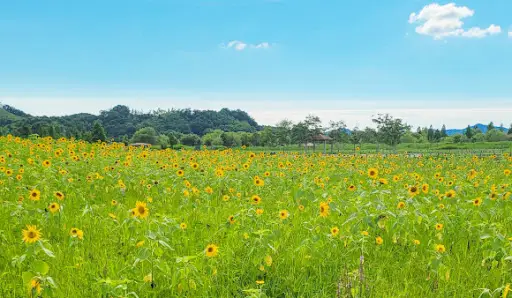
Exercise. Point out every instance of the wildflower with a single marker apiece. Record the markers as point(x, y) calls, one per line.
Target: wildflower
point(401, 205)
point(59, 195)
point(335, 231)
point(260, 282)
point(54, 207)
point(283, 214)
point(365, 233)
point(255, 199)
point(373, 173)
point(141, 210)
point(183, 226)
point(440, 248)
point(259, 211)
point(212, 250)
point(439, 227)
point(35, 195)
point(148, 278)
point(379, 240)
point(477, 202)
point(324, 209)
point(140, 243)
point(31, 234)
point(416, 242)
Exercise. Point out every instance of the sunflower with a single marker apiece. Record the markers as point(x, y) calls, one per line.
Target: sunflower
point(54, 207)
point(260, 282)
point(383, 181)
point(301, 207)
point(35, 195)
point(255, 199)
point(266, 174)
point(259, 211)
point(113, 202)
point(59, 195)
point(477, 202)
point(400, 205)
point(506, 172)
point(424, 188)
point(31, 234)
point(142, 210)
point(208, 190)
point(259, 182)
point(493, 196)
point(324, 209)
point(351, 187)
point(47, 163)
point(180, 173)
point(373, 173)
point(440, 248)
point(283, 214)
point(439, 227)
point(365, 233)
point(379, 240)
point(212, 250)
point(35, 286)
point(416, 242)
point(413, 190)
point(183, 226)
point(335, 231)
point(231, 219)
point(396, 178)
point(112, 215)
point(140, 243)
point(225, 198)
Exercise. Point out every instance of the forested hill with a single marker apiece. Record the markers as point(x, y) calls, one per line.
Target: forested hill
point(120, 122)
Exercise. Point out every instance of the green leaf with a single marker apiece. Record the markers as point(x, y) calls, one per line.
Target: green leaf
point(46, 251)
point(27, 277)
point(163, 243)
point(40, 267)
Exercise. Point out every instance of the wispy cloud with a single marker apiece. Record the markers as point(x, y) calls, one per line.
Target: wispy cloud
point(240, 45)
point(510, 33)
point(440, 21)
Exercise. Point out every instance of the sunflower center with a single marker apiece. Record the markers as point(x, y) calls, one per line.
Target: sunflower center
point(141, 210)
point(31, 234)
point(210, 249)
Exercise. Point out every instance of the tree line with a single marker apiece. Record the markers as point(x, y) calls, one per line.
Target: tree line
point(229, 128)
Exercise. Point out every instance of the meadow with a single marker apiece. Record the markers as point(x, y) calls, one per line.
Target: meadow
point(106, 220)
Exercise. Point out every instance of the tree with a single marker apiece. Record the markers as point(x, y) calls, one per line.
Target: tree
point(356, 136)
point(300, 134)
point(338, 131)
point(267, 136)
point(490, 126)
point(98, 132)
point(283, 132)
point(469, 132)
point(145, 135)
point(163, 141)
point(443, 132)
point(430, 134)
point(190, 140)
point(390, 129)
point(495, 135)
point(173, 140)
point(510, 130)
point(314, 126)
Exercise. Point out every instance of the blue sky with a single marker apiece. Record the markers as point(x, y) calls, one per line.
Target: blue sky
point(275, 58)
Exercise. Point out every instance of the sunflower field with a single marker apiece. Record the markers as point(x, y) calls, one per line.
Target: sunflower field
point(107, 220)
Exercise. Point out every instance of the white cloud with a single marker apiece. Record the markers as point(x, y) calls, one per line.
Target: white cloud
point(240, 45)
point(510, 34)
point(440, 21)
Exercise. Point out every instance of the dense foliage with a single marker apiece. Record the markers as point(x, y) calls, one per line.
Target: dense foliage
point(232, 128)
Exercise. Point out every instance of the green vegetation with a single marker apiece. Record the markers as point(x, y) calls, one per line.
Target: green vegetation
point(235, 128)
